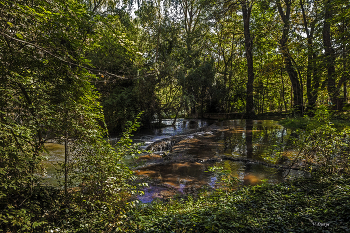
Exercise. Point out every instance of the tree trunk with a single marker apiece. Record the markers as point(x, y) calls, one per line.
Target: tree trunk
point(329, 54)
point(312, 78)
point(284, 100)
point(249, 56)
point(345, 74)
point(293, 75)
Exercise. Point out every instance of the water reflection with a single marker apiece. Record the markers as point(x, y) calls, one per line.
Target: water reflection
point(187, 165)
point(249, 138)
point(184, 178)
point(178, 174)
point(153, 192)
point(256, 140)
point(181, 126)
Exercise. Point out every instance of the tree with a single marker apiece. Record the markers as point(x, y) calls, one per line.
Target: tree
point(329, 51)
point(161, 45)
point(293, 75)
point(224, 45)
point(47, 94)
point(331, 55)
point(248, 40)
point(312, 76)
point(113, 48)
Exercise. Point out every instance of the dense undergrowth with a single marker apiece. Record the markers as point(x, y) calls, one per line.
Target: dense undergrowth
point(317, 204)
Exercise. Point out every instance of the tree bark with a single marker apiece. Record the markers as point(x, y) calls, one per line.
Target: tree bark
point(248, 40)
point(284, 100)
point(312, 77)
point(293, 75)
point(345, 74)
point(329, 53)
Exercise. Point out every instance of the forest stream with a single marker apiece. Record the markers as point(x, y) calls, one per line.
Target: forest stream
point(181, 154)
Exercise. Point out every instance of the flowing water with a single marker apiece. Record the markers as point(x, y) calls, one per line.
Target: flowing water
point(181, 126)
point(248, 149)
point(184, 152)
point(55, 156)
point(55, 152)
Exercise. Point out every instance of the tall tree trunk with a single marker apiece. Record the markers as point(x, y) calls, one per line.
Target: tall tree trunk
point(312, 77)
point(345, 70)
point(293, 75)
point(247, 9)
point(329, 53)
point(283, 98)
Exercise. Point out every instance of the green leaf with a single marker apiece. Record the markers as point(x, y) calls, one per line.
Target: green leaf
point(19, 35)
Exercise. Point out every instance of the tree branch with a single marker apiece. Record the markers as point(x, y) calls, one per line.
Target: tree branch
point(61, 59)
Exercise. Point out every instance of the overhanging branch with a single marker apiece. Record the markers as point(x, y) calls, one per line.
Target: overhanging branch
point(93, 70)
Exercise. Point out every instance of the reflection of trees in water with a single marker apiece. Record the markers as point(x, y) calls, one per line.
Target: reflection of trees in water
point(234, 140)
point(253, 138)
point(254, 173)
point(193, 124)
point(268, 139)
point(234, 143)
point(249, 138)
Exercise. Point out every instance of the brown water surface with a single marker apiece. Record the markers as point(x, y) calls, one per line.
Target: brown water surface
point(185, 167)
point(55, 156)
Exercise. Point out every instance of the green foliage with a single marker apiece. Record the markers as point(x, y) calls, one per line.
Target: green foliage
point(225, 177)
point(125, 146)
point(97, 199)
point(303, 205)
point(163, 63)
point(322, 145)
point(47, 95)
point(294, 123)
point(198, 83)
point(104, 190)
point(44, 94)
point(114, 48)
